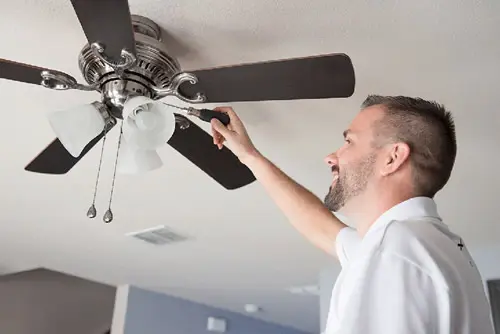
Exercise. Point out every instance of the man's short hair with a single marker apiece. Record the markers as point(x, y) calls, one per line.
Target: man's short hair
point(428, 129)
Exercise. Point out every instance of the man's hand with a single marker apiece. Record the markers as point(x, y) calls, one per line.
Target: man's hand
point(235, 134)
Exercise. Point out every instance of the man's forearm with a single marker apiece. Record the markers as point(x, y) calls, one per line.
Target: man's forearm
point(303, 209)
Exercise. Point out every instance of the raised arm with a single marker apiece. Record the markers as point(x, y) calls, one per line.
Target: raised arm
point(303, 209)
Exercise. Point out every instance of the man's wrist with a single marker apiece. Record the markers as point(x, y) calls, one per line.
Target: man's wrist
point(252, 158)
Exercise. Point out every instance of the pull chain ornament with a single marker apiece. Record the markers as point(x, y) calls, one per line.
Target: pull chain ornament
point(108, 216)
point(92, 212)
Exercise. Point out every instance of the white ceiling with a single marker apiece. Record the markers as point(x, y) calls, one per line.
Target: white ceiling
point(242, 247)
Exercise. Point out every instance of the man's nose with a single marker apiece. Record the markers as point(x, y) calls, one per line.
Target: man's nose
point(331, 159)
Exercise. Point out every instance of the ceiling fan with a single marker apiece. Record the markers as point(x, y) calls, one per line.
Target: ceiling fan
point(124, 58)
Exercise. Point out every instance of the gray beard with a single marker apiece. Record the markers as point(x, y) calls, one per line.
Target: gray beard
point(350, 184)
point(336, 197)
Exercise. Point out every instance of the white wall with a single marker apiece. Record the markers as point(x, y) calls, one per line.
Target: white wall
point(120, 310)
point(488, 262)
point(151, 312)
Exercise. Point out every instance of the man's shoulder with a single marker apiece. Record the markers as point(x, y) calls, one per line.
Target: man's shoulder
point(401, 235)
point(422, 242)
point(415, 231)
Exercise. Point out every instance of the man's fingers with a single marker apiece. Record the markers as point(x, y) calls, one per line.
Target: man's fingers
point(230, 112)
point(233, 129)
point(216, 136)
point(220, 128)
point(219, 139)
point(227, 110)
point(219, 131)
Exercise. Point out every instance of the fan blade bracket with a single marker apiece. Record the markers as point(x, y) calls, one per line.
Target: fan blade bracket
point(45, 77)
point(173, 89)
point(127, 60)
point(61, 81)
point(182, 121)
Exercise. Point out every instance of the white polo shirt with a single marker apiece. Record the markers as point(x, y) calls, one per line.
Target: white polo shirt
point(407, 275)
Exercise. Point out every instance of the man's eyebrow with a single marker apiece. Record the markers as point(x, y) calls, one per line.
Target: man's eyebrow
point(346, 132)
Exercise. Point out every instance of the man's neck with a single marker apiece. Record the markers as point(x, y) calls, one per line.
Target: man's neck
point(372, 207)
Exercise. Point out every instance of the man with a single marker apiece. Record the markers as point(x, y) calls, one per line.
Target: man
point(403, 271)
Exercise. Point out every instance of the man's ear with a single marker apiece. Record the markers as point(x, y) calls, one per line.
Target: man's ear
point(396, 155)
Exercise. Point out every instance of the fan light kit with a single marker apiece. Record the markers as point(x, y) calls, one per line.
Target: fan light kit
point(126, 62)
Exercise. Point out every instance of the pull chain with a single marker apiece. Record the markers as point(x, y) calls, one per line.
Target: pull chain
point(108, 216)
point(92, 212)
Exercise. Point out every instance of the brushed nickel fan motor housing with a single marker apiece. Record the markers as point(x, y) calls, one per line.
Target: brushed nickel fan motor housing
point(153, 74)
point(153, 61)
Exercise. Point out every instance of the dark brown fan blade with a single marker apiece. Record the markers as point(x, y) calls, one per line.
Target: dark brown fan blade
point(107, 22)
point(318, 77)
point(12, 70)
point(222, 165)
point(55, 159)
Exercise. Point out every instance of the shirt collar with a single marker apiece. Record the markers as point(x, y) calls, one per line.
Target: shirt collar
point(416, 207)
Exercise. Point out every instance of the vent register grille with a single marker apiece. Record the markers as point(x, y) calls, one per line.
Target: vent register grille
point(159, 235)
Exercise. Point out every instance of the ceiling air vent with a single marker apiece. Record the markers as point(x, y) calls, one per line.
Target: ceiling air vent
point(159, 235)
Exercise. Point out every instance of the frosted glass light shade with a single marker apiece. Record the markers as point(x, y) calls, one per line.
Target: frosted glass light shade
point(76, 127)
point(133, 161)
point(147, 124)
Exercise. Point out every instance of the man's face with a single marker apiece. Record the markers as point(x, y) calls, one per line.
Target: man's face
point(354, 163)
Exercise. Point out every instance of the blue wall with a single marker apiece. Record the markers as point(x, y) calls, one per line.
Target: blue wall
point(154, 313)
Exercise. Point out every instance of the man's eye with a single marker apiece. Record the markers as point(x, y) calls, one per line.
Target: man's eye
point(347, 140)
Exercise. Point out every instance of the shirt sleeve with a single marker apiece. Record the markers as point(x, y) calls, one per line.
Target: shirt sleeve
point(346, 244)
point(394, 296)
